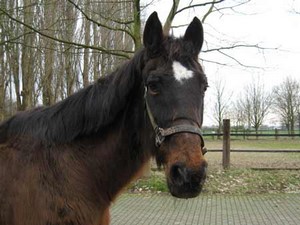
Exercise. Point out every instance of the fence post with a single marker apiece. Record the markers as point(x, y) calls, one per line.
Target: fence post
point(276, 134)
point(226, 143)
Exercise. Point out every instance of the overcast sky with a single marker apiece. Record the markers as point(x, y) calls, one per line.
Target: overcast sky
point(272, 24)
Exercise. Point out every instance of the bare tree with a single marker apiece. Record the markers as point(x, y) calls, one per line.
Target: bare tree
point(14, 48)
point(68, 68)
point(221, 102)
point(28, 57)
point(287, 102)
point(3, 78)
point(87, 40)
point(49, 21)
point(256, 103)
point(2, 67)
point(238, 115)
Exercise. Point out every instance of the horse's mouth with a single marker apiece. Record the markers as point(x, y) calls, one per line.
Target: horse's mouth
point(185, 190)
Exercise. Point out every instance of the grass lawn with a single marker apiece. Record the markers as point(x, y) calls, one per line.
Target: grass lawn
point(248, 181)
point(233, 181)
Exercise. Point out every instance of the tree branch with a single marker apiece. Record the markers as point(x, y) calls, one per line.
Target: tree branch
point(208, 12)
point(215, 62)
point(237, 61)
point(197, 5)
point(101, 49)
point(232, 8)
point(97, 23)
point(113, 19)
point(222, 49)
point(11, 40)
point(239, 46)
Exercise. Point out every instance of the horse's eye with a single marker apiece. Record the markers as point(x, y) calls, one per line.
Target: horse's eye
point(153, 88)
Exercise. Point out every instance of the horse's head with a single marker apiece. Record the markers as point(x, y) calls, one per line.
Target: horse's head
point(174, 91)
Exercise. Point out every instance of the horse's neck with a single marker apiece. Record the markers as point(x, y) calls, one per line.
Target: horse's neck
point(120, 152)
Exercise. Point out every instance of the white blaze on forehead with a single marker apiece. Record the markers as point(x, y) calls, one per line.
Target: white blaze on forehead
point(180, 72)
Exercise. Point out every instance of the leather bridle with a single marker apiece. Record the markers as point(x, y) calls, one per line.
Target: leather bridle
point(162, 133)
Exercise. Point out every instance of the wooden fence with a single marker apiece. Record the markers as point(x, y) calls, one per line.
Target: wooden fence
point(226, 144)
point(246, 135)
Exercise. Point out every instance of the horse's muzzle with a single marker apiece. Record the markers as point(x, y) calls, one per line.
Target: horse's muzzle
point(184, 182)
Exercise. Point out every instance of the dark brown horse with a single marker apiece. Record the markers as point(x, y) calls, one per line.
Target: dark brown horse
point(65, 164)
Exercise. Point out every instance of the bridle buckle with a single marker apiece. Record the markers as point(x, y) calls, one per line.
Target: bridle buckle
point(159, 137)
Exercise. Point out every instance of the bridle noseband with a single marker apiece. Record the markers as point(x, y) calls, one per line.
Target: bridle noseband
point(162, 133)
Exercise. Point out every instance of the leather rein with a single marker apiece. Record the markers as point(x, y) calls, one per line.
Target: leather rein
point(162, 133)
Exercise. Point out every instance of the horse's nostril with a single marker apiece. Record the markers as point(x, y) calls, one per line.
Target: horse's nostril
point(179, 173)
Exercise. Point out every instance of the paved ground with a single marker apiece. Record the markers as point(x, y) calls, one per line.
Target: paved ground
point(273, 209)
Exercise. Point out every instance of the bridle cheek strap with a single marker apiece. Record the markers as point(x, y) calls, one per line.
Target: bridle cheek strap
point(161, 133)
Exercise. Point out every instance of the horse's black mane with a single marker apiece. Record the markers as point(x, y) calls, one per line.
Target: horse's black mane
point(83, 113)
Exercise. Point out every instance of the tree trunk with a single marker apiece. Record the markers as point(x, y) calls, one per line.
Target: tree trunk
point(14, 56)
point(96, 56)
point(137, 25)
point(171, 16)
point(27, 61)
point(87, 35)
point(69, 25)
point(2, 76)
point(47, 79)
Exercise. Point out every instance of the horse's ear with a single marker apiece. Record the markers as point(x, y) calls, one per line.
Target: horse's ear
point(153, 34)
point(194, 35)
